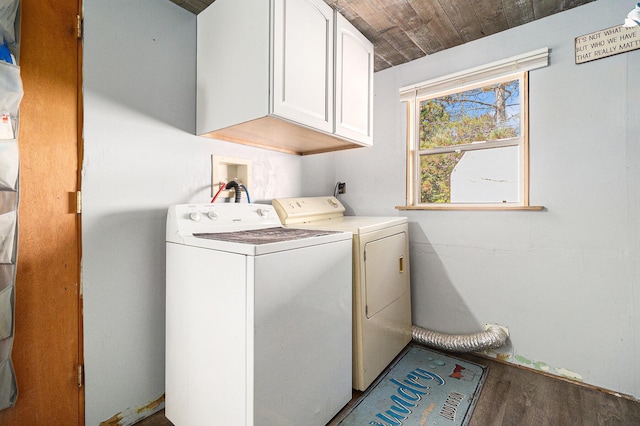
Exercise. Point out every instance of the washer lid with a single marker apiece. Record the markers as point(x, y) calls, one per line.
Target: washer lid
point(266, 247)
point(264, 235)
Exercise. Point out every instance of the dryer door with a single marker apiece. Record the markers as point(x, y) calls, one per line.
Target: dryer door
point(386, 271)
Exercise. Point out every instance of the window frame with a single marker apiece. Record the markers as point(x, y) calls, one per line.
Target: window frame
point(517, 67)
point(520, 141)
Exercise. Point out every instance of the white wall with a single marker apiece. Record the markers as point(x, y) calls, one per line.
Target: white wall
point(140, 157)
point(566, 280)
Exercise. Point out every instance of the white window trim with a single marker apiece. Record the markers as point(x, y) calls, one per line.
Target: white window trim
point(520, 63)
point(457, 82)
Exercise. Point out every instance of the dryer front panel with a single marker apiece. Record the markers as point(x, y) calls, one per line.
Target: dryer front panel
point(386, 271)
point(383, 323)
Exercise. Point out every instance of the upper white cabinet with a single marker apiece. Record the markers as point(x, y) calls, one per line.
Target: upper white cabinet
point(354, 83)
point(289, 75)
point(303, 62)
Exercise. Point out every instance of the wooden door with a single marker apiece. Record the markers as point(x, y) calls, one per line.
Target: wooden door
point(47, 345)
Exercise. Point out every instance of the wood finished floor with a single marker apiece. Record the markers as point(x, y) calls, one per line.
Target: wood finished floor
point(514, 396)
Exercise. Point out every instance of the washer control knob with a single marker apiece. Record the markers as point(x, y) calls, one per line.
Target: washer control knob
point(212, 215)
point(333, 203)
point(262, 212)
point(195, 216)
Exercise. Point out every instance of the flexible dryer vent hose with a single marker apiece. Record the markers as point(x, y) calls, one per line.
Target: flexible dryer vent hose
point(493, 337)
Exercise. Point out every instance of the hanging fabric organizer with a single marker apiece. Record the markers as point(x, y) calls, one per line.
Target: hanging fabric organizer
point(10, 97)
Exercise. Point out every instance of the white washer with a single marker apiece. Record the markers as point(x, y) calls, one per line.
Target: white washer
point(258, 318)
point(381, 287)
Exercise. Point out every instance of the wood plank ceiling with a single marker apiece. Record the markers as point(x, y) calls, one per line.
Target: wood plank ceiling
point(404, 30)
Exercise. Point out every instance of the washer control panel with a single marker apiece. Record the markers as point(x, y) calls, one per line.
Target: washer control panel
point(187, 219)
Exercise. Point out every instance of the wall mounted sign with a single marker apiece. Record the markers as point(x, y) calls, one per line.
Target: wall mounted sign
point(609, 42)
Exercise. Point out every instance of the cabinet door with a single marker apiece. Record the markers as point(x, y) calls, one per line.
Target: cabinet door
point(354, 83)
point(303, 62)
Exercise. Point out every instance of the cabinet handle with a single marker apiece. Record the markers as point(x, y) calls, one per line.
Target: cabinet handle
point(401, 264)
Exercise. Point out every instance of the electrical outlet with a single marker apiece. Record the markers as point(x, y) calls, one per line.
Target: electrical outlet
point(226, 169)
point(342, 188)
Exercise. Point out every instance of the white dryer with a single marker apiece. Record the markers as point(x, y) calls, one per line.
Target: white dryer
point(381, 288)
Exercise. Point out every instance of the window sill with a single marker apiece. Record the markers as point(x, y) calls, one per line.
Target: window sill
point(469, 207)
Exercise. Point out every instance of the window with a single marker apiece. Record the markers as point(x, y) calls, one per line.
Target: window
point(471, 143)
point(468, 137)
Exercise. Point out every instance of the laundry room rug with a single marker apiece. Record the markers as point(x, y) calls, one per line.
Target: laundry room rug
point(421, 387)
